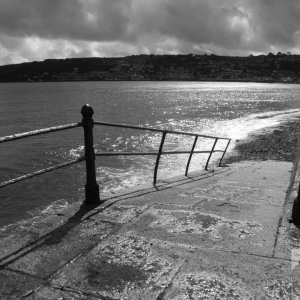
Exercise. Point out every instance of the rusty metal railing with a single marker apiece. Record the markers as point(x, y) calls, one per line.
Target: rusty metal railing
point(92, 196)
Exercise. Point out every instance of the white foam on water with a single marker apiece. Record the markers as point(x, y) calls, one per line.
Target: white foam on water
point(240, 128)
point(77, 152)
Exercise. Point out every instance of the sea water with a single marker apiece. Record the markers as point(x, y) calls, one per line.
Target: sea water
point(232, 110)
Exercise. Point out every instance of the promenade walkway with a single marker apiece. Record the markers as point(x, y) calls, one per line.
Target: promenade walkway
point(214, 235)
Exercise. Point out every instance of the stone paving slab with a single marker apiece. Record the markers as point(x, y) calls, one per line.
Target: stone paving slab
point(166, 184)
point(236, 188)
point(123, 267)
point(52, 252)
point(17, 236)
point(16, 286)
point(250, 230)
point(181, 182)
point(238, 193)
point(264, 174)
point(119, 213)
point(287, 240)
point(220, 235)
point(50, 293)
point(223, 275)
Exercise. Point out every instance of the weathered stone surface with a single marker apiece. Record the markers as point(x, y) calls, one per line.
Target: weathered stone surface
point(218, 235)
point(16, 286)
point(167, 196)
point(193, 177)
point(223, 275)
point(63, 245)
point(264, 174)
point(250, 230)
point(119, 213)
point(123, 267)
point(47, 293)
point(288, 243)
point(234, 189)
point(21, 235)
point(240, 194)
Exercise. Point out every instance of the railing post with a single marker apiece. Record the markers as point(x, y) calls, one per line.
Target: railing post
point(224, 153)
point(210, 154)
point(158, 156)
point(191, 154)
point(295, 218)
point(91, 188)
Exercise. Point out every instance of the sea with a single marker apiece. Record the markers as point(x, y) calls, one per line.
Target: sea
point(224, 109)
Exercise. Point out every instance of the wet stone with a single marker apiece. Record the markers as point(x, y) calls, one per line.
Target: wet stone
point(122, 267)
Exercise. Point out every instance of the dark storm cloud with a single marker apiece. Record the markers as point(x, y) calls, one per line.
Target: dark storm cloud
point(193, 21)
point(74, 19)
point(58, 28)
point(275, 22)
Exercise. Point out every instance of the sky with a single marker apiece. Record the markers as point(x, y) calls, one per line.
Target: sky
point(34, 30)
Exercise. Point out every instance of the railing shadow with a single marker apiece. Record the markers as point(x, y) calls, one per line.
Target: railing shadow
point(51, 238)
point(85, 212)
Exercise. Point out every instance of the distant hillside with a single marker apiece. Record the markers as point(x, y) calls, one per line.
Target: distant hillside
point(265, 68)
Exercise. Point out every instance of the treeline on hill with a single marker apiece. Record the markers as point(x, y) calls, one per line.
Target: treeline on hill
point(266, 68)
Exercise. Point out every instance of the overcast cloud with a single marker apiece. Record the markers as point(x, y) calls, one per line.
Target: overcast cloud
point(40, 29)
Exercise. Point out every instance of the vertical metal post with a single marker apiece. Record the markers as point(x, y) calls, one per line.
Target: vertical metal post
point(191, 154)
point(158, 156)
point(295, 218)
point(210, 154)
point(91, 188)
point(224, 153)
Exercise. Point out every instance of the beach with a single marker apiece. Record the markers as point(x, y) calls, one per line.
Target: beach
point(271, 143)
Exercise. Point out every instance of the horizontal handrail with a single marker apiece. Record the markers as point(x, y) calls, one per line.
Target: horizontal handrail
point(91, 187)
point(149, 153)
point(23, 135)
point(40, 172)
point(158, 130)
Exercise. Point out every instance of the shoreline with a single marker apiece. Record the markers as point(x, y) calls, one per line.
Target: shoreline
point(271, 143)
point(162, 80)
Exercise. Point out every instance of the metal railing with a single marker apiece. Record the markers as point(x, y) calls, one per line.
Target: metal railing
point(92, 196)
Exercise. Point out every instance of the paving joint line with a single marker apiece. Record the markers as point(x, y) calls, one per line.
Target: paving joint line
point(23, 273)
point(84, 252)
point(81, 292)
point(196, 247)
point(162, 294)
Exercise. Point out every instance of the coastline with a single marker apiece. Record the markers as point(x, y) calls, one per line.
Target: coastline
point(271, 143)
point(235, 80)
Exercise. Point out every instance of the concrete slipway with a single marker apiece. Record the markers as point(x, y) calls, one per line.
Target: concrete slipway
point(213, 235)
